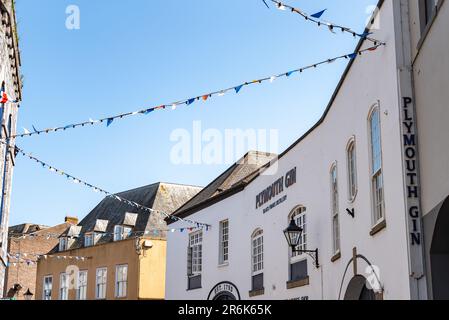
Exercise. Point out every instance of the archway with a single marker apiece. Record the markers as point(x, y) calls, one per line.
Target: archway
point(439, 254)
point(225, 296)
point(357, 289)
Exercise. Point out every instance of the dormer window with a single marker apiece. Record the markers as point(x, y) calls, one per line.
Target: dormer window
point(92, 238)
point(121, 232)
point(63, 244)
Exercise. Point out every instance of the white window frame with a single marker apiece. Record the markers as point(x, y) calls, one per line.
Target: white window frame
point(63, 244)
point(335, 212)
point(376, 174)
point(121, 232)
point(47, 288)
point(196, 245)
point(351, 158)
point(257, 252)
point(101, 287)
point(121, 281)
point(63, 286)
point(223, 258)
point(299, 214)
point(89, 240)
point(81, 292)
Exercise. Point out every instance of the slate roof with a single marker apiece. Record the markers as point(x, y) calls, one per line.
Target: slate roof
point(25, 228)
point(231, 181)
point(108, 213)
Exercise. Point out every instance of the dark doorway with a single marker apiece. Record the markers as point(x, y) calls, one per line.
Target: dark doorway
point(439, 255)
point(225, 296)
point(357, 290)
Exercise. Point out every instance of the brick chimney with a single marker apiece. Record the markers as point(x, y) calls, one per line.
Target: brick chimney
point(71, 220)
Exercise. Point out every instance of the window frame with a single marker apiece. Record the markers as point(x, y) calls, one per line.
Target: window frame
point(335, 210)
point(121, 285)
point(196, 245)
point(82, 285)
point(63, 244)
point(105, 284)
point(223, 258)
point(90, 236)
point(351, 149)
point(63, 290)
point(377, 217)
point(123, 234)
point(45, 290)
point(257, 258)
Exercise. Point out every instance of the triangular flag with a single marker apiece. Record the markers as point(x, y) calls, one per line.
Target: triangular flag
point(190, 101)
point(365, 34)
point(148, 111)
point(318, 14)
point(35, 130)
point(288, 74)
point(352, 55)
point(205, 97)
point(109, 122)
point(4, 97)
point(26, 131)
point(238, 88)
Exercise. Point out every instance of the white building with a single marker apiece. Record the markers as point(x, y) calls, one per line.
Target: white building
point(352, 182)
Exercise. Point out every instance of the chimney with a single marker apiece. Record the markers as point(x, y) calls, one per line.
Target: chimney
point(71, 220)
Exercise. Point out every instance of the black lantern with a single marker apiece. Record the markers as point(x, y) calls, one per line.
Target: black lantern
point(293, 235)
point(28, 295)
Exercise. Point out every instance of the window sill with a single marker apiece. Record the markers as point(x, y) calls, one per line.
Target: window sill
point(255, 293)
point(193, 289)
point(336, 257)
point(298, 283)
point(378, 228)
point(223, 265)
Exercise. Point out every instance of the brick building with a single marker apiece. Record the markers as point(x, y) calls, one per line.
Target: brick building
point(25, 243)
point(10, 83)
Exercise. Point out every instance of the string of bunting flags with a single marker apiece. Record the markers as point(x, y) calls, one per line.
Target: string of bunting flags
point(96, 189)
point(316, 18)
point(27, 258)
point(187, 102)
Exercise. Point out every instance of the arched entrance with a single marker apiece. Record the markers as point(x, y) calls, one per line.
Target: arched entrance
point(357, 290)
point(439, 254)
point(224, 291)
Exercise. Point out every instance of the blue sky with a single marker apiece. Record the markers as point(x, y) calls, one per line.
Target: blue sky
point(132, 55)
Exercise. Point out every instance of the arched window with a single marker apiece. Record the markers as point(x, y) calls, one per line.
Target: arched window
point(377, 184)
point(335, 209)
point(257, 265)
point(352, 169)
point(298, 262)
point(299, 215)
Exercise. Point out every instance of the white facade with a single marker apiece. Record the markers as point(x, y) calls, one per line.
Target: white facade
point(393, 246)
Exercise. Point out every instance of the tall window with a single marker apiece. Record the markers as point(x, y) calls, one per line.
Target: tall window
point(257, 260)
point(195, 260)
point(377, 185)
point(47, 287)
point(352, 170)
point(121, 233)
point(196, 244)
point(335, 211)
point(121, 281)
point(298, 264)
point(224, 242)
point(82, 286)
point(101, 280)
point(89, 240)
point(64, 287)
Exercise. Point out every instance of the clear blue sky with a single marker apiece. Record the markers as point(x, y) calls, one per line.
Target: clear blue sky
point(140, 53)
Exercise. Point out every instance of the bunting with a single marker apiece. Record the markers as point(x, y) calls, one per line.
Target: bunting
point(316, 19)
point(205, 97)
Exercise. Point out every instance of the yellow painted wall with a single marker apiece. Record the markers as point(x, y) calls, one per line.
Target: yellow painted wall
point(152, 267)
point(148, 264)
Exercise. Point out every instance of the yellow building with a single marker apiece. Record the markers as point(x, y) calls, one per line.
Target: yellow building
point(115, 252)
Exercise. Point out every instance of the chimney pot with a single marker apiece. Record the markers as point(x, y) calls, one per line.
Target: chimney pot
point(71, 220)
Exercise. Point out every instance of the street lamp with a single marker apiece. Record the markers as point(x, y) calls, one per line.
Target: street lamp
point(293, 235)
point(28, 295)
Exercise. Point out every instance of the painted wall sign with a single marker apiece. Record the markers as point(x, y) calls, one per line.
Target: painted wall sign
point(225, 288)
point(276, 188)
